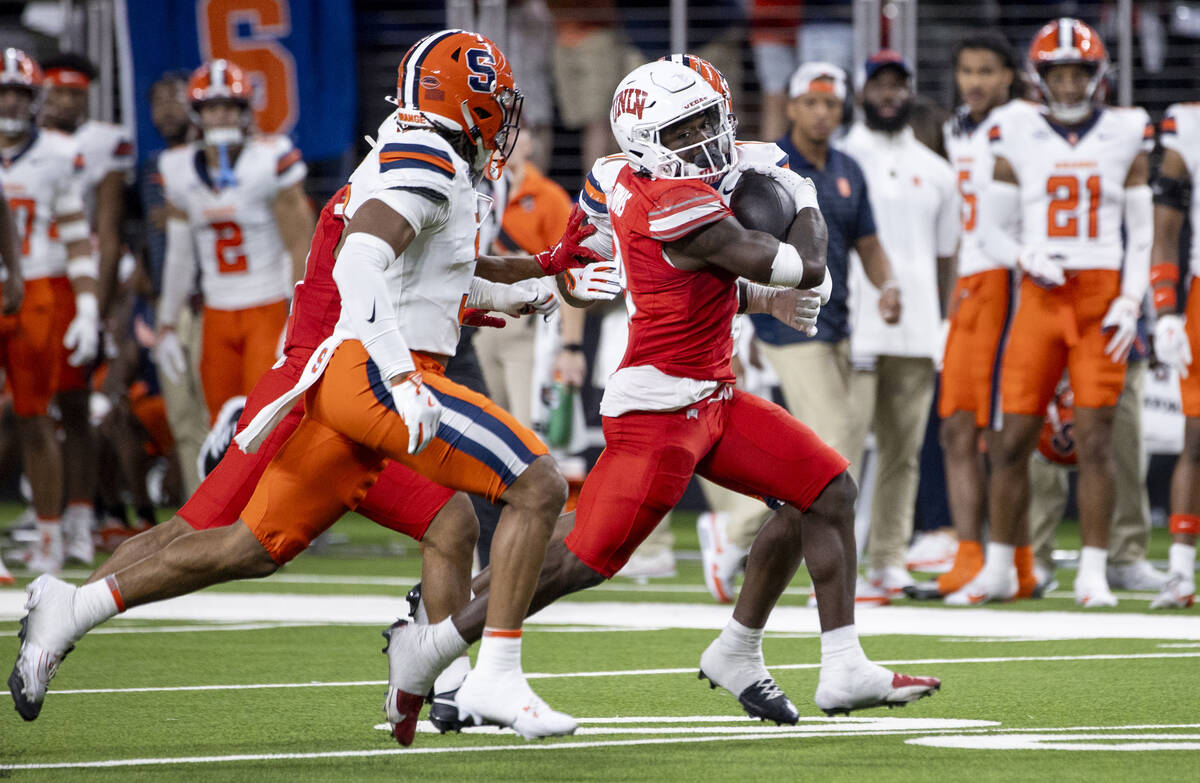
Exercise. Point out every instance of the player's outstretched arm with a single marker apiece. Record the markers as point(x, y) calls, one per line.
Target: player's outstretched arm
point(110, 212)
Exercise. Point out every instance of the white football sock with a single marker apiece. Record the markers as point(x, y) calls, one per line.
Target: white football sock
point(1092, 563)
point(1182, 559)
point(840, 647)
point(446, 639)
point(96, 602)
point(499, 651)
point(739, 639)
point(999, 557)
point(453, 675)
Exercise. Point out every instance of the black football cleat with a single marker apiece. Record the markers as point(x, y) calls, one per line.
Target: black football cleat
point(414, 600)
point(764, 700)
point(443, 713)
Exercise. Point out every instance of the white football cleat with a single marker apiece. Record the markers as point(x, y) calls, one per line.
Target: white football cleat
point(890, 579)
point(506, 699)
point(1092, 592)
point(987, 586)
point(413, 666)
point(721, 558)
point(1178, 593)
point(47, 634)
point(78, 522)
point(869, 685)
point(1138, 575)
point(45, 556)
point(747, 678)
point(932, 552)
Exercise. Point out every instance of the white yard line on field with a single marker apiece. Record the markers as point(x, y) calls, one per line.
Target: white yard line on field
point(637, 672)
point(982, 623)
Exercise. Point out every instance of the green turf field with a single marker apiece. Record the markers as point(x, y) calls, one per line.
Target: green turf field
point(284, 679)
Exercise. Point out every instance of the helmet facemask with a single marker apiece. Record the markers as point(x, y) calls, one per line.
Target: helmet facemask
point(492, 154)
point(1073, 112)
point(15, 126)
point(708, 158)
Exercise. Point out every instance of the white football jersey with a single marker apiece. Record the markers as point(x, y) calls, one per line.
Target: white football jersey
point(427, 283)
point(1181, 132)
point(105, 148)
point(1072, 181)
point(970, 153)
point(593, 198)
point(243, 262)
point(42, 181)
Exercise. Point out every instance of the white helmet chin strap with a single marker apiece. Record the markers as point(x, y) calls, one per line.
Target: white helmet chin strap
point(216, 137)
point(1070, 112)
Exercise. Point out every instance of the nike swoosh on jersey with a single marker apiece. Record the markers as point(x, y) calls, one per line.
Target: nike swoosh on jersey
point(371, 317)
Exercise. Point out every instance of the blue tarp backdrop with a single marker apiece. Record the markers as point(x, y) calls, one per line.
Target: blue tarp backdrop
point(298, 53)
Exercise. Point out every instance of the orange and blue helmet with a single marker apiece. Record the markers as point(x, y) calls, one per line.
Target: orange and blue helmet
point(219, 80)
point(1068, 41)
point(461, 82)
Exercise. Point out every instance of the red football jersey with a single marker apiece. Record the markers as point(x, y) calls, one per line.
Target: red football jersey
point(681, 321)
point(316, 303)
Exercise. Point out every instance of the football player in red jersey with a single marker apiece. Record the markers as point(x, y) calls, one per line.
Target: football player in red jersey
point(670, 410)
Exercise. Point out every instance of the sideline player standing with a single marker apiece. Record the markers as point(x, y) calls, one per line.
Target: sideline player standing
point(239, 201)
point(1177, 340)
point(983, 301)
point(41, 173)
point(107, 151)
point(1074, 171)
point(670, 410)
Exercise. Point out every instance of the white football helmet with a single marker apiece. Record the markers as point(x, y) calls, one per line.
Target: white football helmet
point(654, 97)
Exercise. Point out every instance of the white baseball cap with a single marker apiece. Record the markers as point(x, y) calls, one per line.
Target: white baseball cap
point(818, 77)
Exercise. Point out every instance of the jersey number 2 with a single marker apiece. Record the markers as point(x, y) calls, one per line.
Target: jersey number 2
point(228, 248)
point(970, 201)
point(1063, 190)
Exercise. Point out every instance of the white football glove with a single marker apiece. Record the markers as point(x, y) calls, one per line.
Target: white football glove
point(82, 338)
point(524, 297)
point(795, 307)
point(168, 355)
point(801, 189)
point(419, 409)
point(1171, 344)
point(1045, 268)
point(595, 282)
point(1122, 318)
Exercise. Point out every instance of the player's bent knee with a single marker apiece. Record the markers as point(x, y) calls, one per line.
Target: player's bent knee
point(541, 488)
point(455, 529)
point(836, 501)
point(247, 558)
point(577, 575)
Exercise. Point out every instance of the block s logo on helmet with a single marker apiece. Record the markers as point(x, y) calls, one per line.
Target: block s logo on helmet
point(483, 70)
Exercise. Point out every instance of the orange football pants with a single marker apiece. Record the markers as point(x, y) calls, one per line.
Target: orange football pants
point(981, 311)
point(1057, 329)
point(31, 346)
point(351, 427)
point(237, 347)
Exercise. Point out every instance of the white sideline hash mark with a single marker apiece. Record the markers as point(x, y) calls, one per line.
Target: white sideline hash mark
point(1092, 742)
point(636, 672)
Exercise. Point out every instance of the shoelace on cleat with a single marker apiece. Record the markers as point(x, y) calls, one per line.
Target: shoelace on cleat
point(769, 689)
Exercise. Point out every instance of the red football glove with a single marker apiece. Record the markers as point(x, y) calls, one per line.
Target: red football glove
point(569, 253)
point(473, 316)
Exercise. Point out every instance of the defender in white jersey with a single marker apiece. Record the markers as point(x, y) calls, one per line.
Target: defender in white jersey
point(58, 324)
point(236, 205)
point(1074, 171)
point(375, 391)
point(1177, 340)
point(107, 151)
point(983, 302)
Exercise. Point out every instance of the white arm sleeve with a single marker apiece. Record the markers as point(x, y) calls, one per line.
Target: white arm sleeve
point(358, 273)
point(1139, 235)
point(998, 207)
point(422, 208)
point(179, 270)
